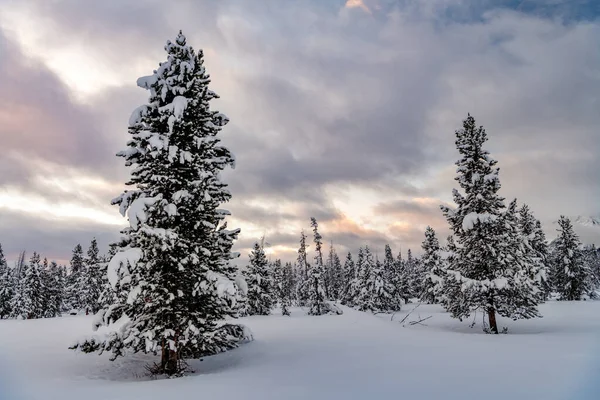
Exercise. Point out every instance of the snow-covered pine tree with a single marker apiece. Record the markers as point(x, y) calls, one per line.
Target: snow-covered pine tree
point(90, 280)
point(107, 292)
point(55, 287)
point(401, 281)
point(74, 279)
point(478, 274)
point(521, 291)
point(259, 298)
point(591, 258)
point(366, 291)
point(334, 275)
point(283, 277)
point(28, 301)
point(413, 275)
point(389, 275)
point(348, 292)
point(287, 288)
point(571, 274)
point(359, 278)
point(19, 268)
point(383, 291)
point(316, 300)
point(6, 286)
point(432, 264)
point(535, 246)
point(172, 271)
point(303, 285)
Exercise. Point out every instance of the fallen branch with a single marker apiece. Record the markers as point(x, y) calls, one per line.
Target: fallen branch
point(410, 312)
point(419, 321)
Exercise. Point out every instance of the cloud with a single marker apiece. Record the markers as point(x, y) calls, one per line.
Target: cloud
point(322, 98)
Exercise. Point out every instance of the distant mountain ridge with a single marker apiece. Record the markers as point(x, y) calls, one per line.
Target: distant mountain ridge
point(593, 221)
point(587, 221)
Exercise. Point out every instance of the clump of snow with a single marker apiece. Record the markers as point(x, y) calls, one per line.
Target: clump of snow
point(224, 286)
point(146, 82)
point(241, 284)
point(118, 265)
point(137, 210)
point(471, 219)
point(171, 209)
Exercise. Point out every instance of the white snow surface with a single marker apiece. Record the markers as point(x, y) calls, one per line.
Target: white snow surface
point(351, 356)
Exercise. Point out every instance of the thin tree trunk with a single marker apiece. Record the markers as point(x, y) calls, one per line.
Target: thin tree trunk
point(492, 318)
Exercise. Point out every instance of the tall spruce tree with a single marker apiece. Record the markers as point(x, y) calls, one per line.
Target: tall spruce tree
point(335, 275)
point(479, 276)
point(259, 298)
point(401, 281)
point(591, 257)
point(391, 276)
point(6, 287)
point(367, 281)
point(348, 292)
point(54, 280)
point(28, 301)
point(571, 274)
point(432, 264)
point(316, 300)
point(74, 279)
point(90, 280)
point(172, 271)
point(535, 246)
point(283, 276)
point(383, 291)
point(303, 286)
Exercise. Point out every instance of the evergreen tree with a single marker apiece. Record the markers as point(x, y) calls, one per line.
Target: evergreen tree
point(55, 287)
point(432, 263)
point(479, 276)
point(571, 274)
point(284, 285)
point(521, 291)
point(172, 272)
point(391, 277)
point(591, 258)
point(259, 299)
point(367, 281)
point(357, 284)
point(316, 300)
point(28, 301)
point(6, 287)
point(334, 275)
point(413, 275)
point(401, 281)
point(303, 288)
point(90, 280)
point(75, 279)
point(349, 292)
point(536, 248)
point(20, 267)
point(383, 291)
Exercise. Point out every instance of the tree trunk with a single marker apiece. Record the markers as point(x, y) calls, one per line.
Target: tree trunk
point(169, 360)
point(492, 318)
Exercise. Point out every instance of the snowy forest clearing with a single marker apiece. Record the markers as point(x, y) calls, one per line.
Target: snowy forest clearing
point(353, 356)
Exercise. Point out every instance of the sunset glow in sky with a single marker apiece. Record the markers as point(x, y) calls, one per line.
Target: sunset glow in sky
point(341, 110)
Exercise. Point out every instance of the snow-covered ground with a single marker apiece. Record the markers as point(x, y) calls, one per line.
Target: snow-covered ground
point(353, 356)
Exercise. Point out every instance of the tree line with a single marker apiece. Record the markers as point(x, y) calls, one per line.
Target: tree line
point(41, 289)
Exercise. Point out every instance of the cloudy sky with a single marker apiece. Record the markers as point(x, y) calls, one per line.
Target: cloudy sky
point(340, 109)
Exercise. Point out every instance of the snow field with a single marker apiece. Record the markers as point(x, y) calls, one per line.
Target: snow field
point(353, 356)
